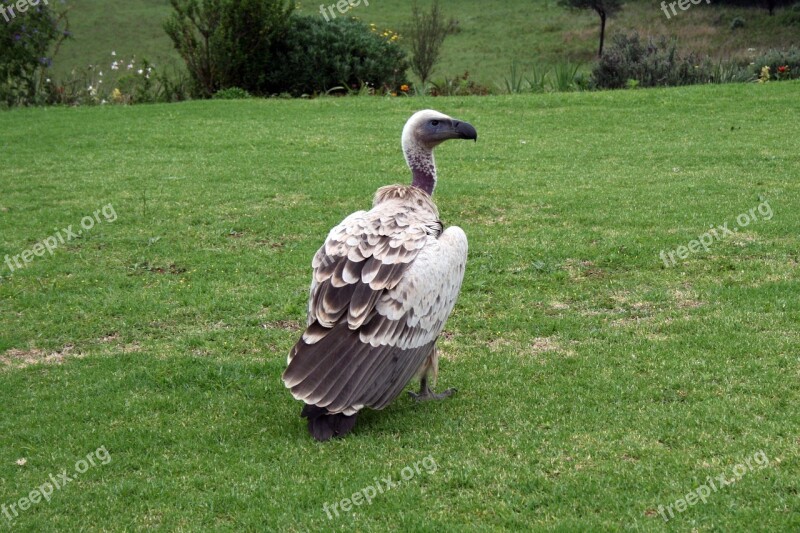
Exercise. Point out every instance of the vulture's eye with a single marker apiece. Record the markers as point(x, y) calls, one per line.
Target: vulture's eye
point(434, 122)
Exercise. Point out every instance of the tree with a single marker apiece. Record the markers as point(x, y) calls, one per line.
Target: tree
point(192, 26)
point(227, 43)
point(426, 34)
point(603, 8)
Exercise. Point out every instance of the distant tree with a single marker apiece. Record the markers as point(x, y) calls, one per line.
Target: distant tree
point(603, 8)
point(426, 33)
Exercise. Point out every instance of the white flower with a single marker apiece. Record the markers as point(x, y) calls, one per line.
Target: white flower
point(114, 66)
point(113, 52)
point(130, 66)
point(48, 80)
point(140, 71)
point(101, 73)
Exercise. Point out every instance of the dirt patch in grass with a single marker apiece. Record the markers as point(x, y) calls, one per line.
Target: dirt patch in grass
point(544, 344)
point(16, 358)
point(286, 325)
point(580, 270)
point(686, 299)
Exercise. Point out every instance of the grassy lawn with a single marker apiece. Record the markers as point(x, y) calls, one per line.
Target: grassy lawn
point(595, 382)
point(492, 36)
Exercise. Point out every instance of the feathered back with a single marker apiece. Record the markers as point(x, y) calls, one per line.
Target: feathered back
point(408, 195)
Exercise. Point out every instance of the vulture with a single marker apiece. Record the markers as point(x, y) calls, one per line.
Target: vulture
point(383, 284)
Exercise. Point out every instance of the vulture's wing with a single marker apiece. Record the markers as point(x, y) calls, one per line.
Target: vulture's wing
point(384, 283)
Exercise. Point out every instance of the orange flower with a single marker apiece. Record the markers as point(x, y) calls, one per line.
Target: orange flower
point(404, 88)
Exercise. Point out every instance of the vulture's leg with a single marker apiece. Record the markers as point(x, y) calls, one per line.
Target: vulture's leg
point(425, 393)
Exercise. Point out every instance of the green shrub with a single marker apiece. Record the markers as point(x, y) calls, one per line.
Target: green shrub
point(656, 63)
point(227, 43)
point(316, 56)
point(249, 30)
point(26, 44)
point(517, 83)
point(729, 72)
point(564, 77)
point(537, 82)
point(783, 64)
point(232, 93)
point(458, 86)
point(737, 23)
point(426, 33)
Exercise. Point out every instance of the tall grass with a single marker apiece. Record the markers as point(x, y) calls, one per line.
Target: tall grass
point(563, 77)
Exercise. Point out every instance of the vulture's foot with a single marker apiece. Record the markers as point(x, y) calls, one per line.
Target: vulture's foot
point(430, 395)
point(425, 393)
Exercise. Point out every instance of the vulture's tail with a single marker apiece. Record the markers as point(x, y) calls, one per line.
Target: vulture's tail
point(323, 426)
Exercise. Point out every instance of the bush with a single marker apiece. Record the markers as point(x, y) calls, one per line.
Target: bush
point(232, 93)
point(655, 64)
point(26, 42)
point(249, 30)
point(783, 64)
point(729, 72)
point(427, 32)
point(458, 86)
point(227, 43)
point(563, 77)
point(737, 23)
point(316, 56)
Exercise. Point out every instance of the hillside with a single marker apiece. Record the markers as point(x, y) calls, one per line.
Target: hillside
point(492, 35)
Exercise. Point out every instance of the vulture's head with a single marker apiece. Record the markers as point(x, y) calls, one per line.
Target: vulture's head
point(428, 128)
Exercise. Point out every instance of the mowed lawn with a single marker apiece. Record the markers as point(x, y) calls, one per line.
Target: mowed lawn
point(595, 382)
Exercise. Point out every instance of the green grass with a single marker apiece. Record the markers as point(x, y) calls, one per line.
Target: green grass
point(595, 383)
point(492, 37)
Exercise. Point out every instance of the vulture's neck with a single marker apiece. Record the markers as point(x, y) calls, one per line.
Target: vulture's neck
point(423, 167)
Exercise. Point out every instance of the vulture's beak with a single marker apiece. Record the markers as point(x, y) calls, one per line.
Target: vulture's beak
point(465, 130)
